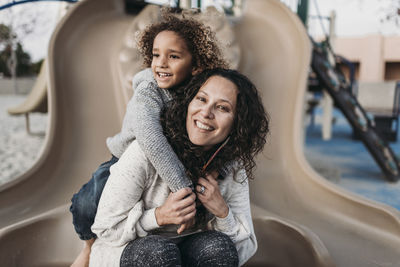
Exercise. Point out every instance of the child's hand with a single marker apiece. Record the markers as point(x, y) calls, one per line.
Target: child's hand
point(186, 225)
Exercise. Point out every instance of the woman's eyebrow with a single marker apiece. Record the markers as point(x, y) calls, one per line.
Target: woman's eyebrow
point(201, 91)
point(226, 101)
point(221, 99)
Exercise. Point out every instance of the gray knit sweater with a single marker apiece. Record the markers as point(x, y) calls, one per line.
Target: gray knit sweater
point(142, 122)
point(134, 190)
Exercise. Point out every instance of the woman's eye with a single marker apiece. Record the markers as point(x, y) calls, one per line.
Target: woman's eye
point(202, 99)
point(223, 108)
point(155, 55)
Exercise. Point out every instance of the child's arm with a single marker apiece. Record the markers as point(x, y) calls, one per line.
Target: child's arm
point(144, 109)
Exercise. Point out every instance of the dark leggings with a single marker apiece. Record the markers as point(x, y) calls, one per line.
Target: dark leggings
point(210, 248)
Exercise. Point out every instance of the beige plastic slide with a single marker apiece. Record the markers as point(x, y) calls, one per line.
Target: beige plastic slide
point(36, 101)
point(300, 218)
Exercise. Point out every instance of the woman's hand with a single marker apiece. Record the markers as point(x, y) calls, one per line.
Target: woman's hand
point(211, 196)
point(186, 225)
point(179, 208)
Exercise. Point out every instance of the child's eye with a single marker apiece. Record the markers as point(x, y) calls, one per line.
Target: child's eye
point(174, 56)
point(155, 55)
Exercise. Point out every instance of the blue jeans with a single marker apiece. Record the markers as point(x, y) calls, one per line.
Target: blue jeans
point(84, 203)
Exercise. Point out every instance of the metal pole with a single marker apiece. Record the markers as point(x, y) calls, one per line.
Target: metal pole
point(302, 11)
point(327, 100)
point(13, 3)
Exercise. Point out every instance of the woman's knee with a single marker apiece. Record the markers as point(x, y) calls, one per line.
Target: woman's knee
point(222, 251)
point(151, 251)
point(212, 248)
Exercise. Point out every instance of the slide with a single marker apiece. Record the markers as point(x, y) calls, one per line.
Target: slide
point(364, 127)
point(36, 101)
point(300, 218)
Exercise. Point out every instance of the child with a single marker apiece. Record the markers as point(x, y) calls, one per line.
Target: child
point(174, 49)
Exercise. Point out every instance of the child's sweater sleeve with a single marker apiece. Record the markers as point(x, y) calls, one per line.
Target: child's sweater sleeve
point(145, 107)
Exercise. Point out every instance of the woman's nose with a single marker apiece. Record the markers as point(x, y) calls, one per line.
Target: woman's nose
point(207, 112)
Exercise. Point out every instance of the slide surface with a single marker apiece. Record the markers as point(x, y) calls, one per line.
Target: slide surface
point(301, 219)
point(36, 101)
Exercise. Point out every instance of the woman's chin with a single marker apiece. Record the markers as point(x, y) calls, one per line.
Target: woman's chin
point(203, 145)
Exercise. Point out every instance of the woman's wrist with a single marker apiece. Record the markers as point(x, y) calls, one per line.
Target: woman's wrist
point(224, 213)
point(158, 216)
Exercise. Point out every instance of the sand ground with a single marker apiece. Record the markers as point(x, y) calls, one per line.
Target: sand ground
point(18, 149)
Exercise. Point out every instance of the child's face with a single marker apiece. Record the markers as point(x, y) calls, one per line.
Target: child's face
point(172, 61)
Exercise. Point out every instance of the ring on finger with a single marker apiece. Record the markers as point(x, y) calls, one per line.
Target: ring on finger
point(202, 189)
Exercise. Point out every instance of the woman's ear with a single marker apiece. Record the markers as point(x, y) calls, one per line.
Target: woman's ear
point(196, 70)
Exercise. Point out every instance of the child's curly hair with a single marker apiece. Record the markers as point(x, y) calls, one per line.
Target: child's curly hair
point(200, 40)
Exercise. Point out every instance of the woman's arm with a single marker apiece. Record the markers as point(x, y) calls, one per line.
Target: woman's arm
point(232, 214)
point(120, 215)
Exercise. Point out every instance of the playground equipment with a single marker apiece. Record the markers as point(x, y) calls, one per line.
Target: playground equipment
point(20, 2)
point(363, 126)
point(36, 101)
point(383, 103)
point(300, 218)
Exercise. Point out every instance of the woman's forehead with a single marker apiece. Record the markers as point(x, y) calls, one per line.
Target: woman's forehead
point(221, 88)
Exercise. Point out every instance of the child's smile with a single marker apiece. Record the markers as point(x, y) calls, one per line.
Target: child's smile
point(172, 61)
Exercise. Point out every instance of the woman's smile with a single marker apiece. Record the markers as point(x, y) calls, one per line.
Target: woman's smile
point(211, 112)
point(203, 126)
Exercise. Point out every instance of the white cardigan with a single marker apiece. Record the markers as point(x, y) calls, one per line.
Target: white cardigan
point(133, 192)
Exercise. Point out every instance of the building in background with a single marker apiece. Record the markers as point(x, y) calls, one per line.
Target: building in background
point(376, 57)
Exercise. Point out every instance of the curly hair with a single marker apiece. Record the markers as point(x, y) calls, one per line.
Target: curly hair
point(248, 135)
point(200, 40)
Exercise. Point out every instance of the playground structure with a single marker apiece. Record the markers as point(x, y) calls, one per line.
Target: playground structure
point(36, 101)
point(364, 127)
point(300, 218)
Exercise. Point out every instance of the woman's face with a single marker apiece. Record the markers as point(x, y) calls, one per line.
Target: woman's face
point(212, 111)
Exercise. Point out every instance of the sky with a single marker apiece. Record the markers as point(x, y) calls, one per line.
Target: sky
point(353, 18)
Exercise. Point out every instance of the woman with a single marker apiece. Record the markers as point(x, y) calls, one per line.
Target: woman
point(216, 126)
